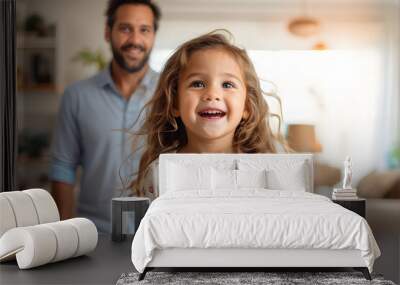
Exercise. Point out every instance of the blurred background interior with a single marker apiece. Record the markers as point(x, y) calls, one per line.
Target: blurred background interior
point(335, 65)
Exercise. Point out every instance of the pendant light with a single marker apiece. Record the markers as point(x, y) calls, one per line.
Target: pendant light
point(304, 26)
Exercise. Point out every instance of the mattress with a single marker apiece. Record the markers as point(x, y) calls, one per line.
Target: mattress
point(250, 219)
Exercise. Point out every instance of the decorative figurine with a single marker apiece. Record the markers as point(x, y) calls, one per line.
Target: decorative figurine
point(348, 173)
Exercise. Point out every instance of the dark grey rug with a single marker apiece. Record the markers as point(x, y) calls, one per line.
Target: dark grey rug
point(269, 278)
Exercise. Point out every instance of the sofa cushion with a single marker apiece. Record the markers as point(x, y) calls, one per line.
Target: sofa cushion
point(380, 185)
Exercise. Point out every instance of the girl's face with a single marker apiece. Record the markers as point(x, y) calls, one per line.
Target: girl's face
point(211, 95)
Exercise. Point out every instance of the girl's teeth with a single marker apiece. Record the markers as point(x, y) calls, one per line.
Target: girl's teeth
point(212, 114)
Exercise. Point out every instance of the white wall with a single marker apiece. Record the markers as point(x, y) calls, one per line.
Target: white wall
point(348, 77)
point(256, 25)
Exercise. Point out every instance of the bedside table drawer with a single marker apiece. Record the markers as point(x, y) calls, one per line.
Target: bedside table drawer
point(357, 206)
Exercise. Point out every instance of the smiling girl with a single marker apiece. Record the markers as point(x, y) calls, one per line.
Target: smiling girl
point(208, 100)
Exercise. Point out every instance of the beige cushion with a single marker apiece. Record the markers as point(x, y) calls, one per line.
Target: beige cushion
point(325, 175)
point(379, 184)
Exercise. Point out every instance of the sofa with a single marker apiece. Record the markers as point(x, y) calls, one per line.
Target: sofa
point(383, 216)
point(382, 191)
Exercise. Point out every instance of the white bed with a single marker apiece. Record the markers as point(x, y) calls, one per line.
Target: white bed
point(247, 211)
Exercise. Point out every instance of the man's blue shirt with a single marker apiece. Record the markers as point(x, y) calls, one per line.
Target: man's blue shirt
point(90, 133)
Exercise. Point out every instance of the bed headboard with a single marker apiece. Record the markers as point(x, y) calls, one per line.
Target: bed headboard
point(283, 164)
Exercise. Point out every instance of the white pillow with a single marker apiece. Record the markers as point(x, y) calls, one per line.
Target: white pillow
point(228, 179)
point(224, 179)
point(281, 174)
point(293, 179)
point(252, 179)
point(188, 177)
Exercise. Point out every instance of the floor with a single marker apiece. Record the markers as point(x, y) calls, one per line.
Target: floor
point(383, 216)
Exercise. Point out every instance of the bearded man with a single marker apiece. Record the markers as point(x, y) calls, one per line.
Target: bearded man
point(94, 111)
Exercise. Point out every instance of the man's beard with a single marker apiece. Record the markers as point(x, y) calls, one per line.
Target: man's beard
point(119, 58)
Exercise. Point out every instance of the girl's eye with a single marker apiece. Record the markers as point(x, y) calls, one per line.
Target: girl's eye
point(228, 85)
point(197, 84)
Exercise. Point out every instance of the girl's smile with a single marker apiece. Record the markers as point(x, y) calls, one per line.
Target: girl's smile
point(210, 113)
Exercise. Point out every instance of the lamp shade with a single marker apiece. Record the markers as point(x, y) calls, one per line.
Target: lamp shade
point(302, 138)
point(303, 26)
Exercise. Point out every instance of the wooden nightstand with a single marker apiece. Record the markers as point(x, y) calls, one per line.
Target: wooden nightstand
point(356, 205)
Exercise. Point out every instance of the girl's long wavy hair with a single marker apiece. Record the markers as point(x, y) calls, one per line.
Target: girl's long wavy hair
point(166, 133)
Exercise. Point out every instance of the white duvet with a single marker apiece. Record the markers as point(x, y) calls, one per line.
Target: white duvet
point(252, 218)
